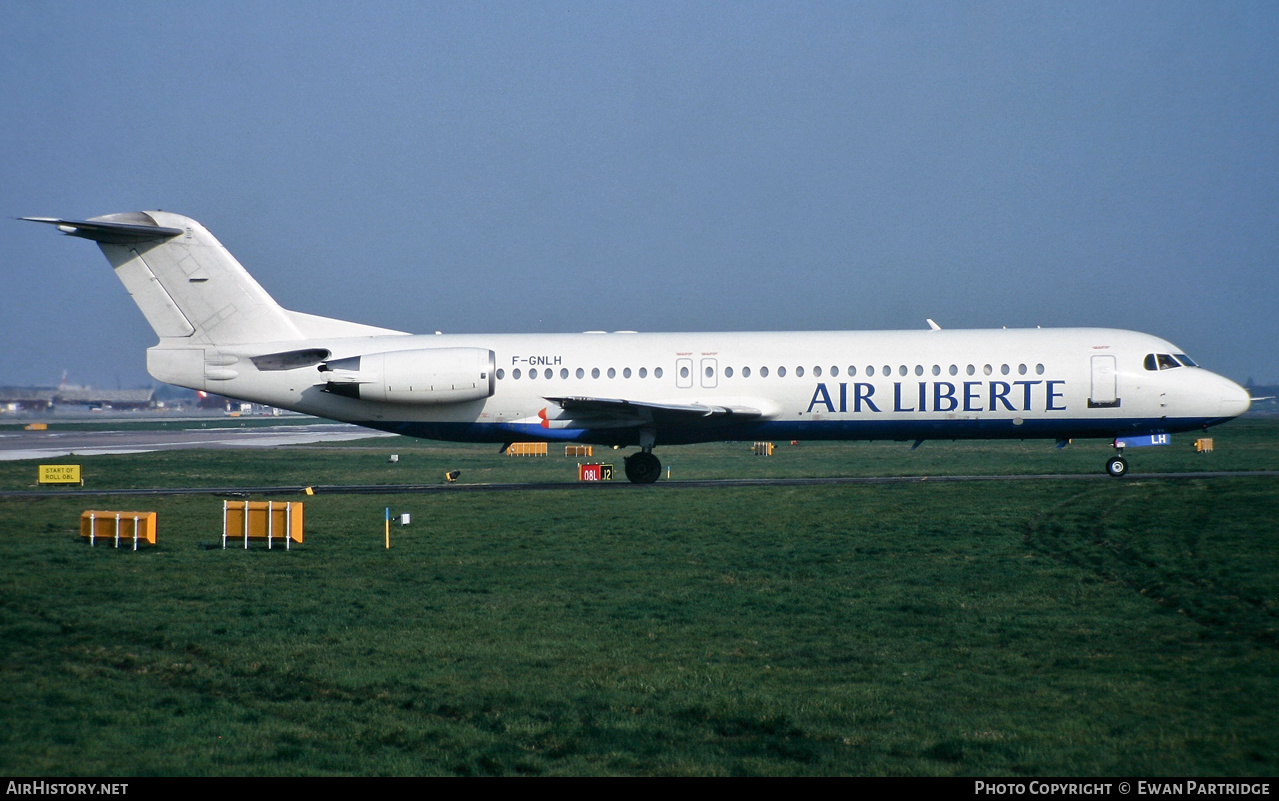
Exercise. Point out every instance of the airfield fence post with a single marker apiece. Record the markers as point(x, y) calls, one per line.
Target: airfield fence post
point(135, 531)
point(224, 503)
point(270, 532)
point(117, 529)
point(246, 525)
point(93, 529)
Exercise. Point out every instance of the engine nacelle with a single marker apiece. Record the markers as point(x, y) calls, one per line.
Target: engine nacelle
point(429, 375)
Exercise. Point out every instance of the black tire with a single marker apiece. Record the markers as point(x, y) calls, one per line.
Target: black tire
point(643, 468)
point(1117, 466)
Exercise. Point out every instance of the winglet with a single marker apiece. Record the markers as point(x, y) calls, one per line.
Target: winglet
point(933, 325)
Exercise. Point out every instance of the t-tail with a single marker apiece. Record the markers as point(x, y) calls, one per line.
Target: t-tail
point(194, 293)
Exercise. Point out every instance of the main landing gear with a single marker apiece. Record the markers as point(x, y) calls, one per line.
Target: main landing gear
point(643, 467)
point(1117, 465)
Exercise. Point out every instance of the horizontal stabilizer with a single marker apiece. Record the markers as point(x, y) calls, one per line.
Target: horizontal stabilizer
point(140, 228)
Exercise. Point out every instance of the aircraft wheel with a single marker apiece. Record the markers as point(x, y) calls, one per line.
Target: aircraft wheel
point(1117, 466)
point(643, 468)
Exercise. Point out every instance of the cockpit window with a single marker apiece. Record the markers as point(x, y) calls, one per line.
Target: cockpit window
point(1165, 361)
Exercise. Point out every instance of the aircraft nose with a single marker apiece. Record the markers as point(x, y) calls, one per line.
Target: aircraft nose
point(1214, 397)
point(1235, 400)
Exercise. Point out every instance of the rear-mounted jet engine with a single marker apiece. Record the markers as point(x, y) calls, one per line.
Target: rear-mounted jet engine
point(429, 375)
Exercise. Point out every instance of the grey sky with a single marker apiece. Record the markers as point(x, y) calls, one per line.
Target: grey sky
point(508, 167)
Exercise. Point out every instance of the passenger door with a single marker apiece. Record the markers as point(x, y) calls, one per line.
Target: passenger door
point(1104, 393)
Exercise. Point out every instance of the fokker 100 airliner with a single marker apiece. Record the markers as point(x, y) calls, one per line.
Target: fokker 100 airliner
point(221, 332)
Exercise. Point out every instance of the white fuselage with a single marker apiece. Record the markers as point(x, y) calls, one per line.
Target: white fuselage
point(1056, 383)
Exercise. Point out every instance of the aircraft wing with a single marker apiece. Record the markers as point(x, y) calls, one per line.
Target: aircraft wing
point(581, 412)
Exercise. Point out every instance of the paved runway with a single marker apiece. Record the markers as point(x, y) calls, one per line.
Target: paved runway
point(620, 486)
point(51, 444)
point(65, 442)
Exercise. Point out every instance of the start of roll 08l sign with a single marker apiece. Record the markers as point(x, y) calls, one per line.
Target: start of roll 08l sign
point(60, 474)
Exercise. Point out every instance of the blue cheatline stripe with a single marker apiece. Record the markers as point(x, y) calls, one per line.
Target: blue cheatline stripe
point(864, 430)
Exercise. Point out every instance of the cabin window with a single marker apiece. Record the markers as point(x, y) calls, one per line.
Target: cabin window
point(987, 369)
point(763, 372)
point(781, 372)
point(888, 370)
point(936, 369)
point(1021, 369)
point(563, 372)
point(612, 373)
point(657, 372)
point(515, 373)
point(643, 373)
point(834, 371)
point(1039, 369)
point(500, 374)
point(1004, 369)
point(970, 370)
point(683, 372)
point(595, 372)
point(746, 372)
point(817, 372)
point(954, 369)
point(870, 369)
point(581, 373)
point(852, 371)
point(799, 372)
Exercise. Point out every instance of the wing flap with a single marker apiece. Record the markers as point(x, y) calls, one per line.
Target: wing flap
point(587, 412)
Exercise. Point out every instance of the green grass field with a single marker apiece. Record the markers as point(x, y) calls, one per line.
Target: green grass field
point(990, 628)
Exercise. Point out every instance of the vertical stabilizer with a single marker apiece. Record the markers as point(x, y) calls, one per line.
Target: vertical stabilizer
point(186, 284)
point(190, 286)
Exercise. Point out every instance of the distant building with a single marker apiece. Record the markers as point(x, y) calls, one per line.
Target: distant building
point(107, 398)
point(23, 399)
point(18, 399)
